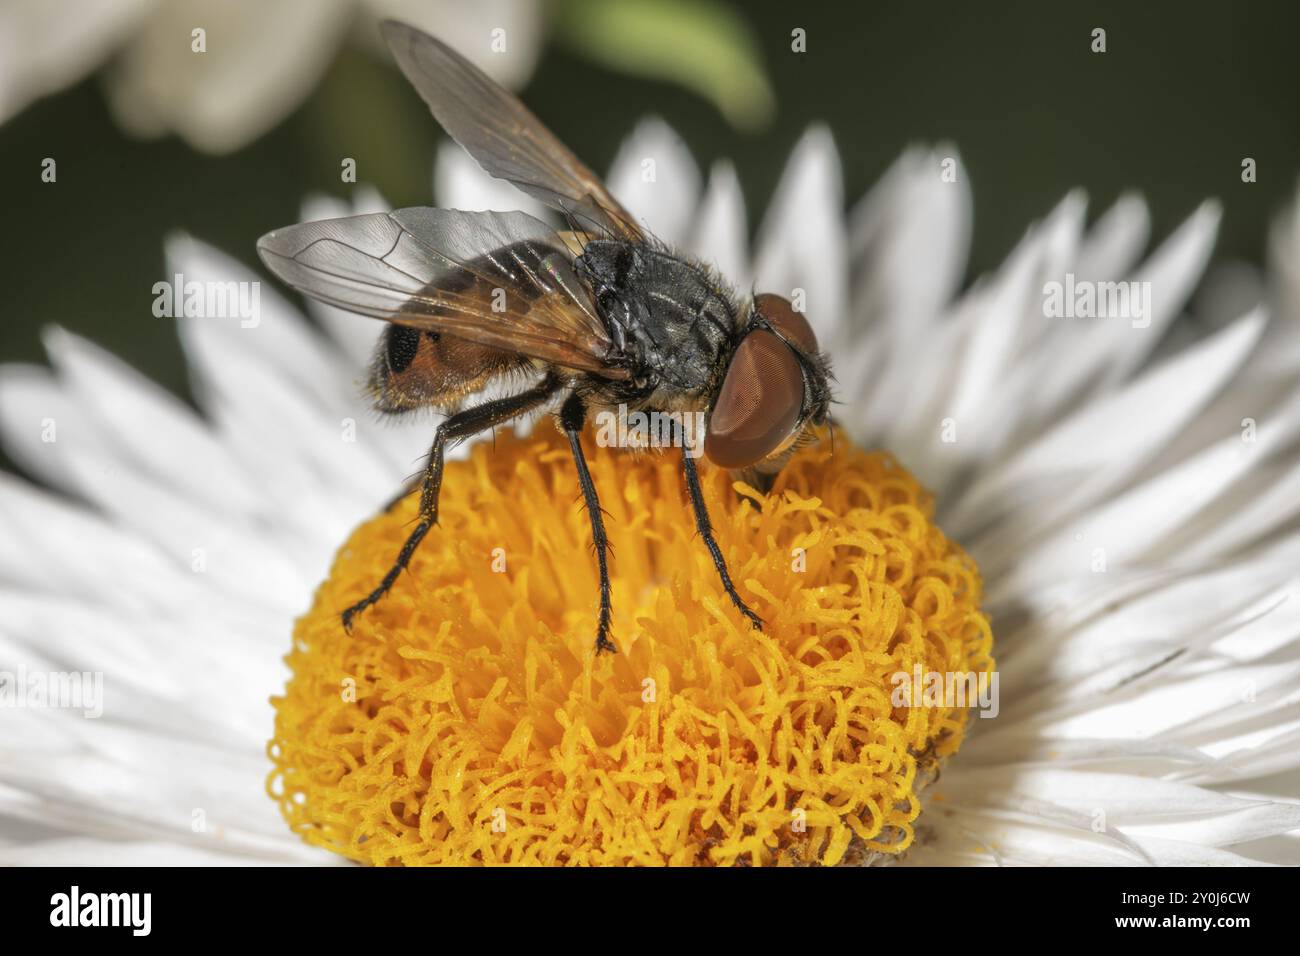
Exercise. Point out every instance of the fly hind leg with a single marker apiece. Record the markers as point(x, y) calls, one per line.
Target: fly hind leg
point(461, 425)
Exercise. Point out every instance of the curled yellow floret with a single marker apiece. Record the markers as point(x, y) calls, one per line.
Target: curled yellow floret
point(467, 719)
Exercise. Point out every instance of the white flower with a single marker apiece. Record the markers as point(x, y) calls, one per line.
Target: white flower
point(1133, 509)
point(260, 58)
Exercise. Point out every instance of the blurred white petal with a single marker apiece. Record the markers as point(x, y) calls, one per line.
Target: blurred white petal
point(52, 44)
point(801, 244)
point(461, 183)
point(656, 180)
point(720, 237)
point(248, 79)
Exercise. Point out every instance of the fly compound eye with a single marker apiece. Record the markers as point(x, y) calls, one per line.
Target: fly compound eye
point(791, 325)
point(759, 404)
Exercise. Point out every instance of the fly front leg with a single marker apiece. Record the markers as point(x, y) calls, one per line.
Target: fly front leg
point(461, 425)
point(705, 528)
point(573, 414)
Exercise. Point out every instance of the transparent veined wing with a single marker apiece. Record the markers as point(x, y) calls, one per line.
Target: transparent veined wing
point(503, 279)
point(502, 134)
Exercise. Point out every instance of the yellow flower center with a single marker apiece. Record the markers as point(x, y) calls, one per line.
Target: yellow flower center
point(467, 719)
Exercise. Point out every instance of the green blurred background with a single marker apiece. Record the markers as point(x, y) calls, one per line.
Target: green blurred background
point(1184, 92)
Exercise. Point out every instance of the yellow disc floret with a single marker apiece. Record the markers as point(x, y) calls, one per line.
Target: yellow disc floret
point(468, 720)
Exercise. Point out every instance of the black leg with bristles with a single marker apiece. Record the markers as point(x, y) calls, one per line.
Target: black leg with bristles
point(573, 414)
point(705, 528)
point(461, 425)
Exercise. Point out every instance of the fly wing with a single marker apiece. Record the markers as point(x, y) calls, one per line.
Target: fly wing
point(502, 279)
point(502, 134)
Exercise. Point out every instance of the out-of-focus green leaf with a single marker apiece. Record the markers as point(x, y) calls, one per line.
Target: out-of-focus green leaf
point(704, 45)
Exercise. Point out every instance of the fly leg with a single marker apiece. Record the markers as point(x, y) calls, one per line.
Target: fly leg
point(461, 425)
point(572, 416)
point(705, 528)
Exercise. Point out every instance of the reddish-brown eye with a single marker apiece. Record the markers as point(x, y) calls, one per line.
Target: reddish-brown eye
point(758, 405)
point(788, 323)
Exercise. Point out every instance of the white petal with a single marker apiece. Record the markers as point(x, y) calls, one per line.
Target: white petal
point(1115, 241)
point(39, 424)
point(802, 245)
point(1158, 808)
point(148, 424)
point(657, 181)
point(47, 46)
point(261, 61)
point(461, 183)
point(720, 236)
point(51, 547)
point(1284, 258)
point(1177, 853)
point(909, 239)
point(1010, 318)
point(1090, 356)
point(1093, 451)
point(80, 852)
